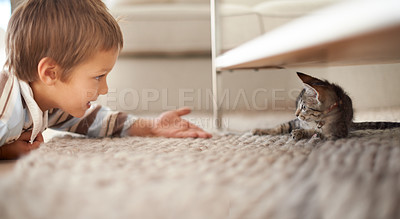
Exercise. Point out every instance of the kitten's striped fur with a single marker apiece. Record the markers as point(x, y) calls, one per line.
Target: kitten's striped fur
point(322, 109)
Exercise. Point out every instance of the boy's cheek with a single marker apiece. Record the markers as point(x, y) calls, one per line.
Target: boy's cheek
point(90, 94)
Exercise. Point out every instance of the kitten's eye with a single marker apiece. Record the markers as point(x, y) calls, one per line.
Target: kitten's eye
point(303, 107)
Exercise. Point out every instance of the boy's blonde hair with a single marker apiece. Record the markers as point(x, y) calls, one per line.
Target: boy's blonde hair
point(68, 31)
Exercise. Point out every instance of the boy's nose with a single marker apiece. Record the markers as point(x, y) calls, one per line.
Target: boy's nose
point(104, 89)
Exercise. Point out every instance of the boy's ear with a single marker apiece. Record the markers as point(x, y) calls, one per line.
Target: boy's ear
point(48, 70)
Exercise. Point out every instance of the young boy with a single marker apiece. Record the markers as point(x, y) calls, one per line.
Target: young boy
point(59, 53)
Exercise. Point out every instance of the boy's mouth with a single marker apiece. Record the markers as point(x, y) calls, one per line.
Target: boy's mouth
point(89, 103)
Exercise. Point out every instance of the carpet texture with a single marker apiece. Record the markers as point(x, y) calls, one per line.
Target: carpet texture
point(228, 176)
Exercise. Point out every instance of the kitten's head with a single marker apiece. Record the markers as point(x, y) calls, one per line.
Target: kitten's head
point(316, 99)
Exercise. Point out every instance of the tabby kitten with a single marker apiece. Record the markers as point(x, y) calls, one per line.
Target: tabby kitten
point(323, 110)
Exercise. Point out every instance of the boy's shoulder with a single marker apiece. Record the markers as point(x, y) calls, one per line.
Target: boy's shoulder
point(12, 114)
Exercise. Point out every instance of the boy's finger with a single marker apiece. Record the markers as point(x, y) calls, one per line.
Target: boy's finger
point(203, 134)
point(183, 111)
point(186, 134)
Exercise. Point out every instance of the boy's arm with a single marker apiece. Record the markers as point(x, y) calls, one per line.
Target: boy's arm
point(99, 121)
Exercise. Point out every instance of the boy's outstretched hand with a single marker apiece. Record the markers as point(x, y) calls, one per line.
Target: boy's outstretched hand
point(170, 125)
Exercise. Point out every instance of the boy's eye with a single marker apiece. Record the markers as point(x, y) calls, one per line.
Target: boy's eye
point(99, 77)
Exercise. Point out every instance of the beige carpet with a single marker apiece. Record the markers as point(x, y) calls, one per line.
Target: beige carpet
point(228, 176)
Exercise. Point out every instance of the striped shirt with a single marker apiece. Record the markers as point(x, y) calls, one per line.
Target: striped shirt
point(19, 113)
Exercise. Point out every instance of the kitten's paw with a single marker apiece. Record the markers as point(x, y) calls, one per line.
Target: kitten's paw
point(256, 132)
point(259, 132)
point(298, 134)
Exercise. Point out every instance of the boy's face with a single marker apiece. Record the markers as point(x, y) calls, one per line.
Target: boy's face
point(86, 83)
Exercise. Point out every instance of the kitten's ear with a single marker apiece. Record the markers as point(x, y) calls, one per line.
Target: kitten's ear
point(311, 91)
point(307, 79)
point(314, 86)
